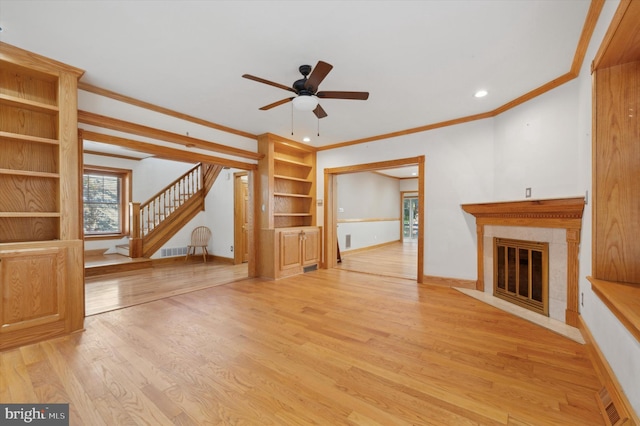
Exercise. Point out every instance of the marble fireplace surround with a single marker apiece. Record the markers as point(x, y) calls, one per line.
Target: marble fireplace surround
point(550, 220)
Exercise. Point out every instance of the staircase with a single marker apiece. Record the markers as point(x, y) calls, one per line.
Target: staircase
point(155, 221)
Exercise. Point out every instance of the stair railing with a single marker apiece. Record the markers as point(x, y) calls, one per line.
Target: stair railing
point(159, 207)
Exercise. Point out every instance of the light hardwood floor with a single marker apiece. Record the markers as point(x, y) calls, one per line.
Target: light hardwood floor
point(330, 347)
point(105, 293)
point(393, 260)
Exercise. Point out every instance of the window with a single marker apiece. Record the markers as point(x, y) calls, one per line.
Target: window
point(106, 195)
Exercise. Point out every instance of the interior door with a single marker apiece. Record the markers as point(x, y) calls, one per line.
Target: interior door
point(245, 221)
point(241, 218)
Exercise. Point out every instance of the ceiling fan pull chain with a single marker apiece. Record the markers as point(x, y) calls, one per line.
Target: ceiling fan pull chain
point(291, 119)
point(318, 119)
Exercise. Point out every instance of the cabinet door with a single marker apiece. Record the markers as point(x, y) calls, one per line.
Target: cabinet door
point(33, 293)
point(311, 247)
point(290, 254)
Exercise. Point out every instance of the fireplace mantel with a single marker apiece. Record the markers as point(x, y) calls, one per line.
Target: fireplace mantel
point(563, 213)
point(550, 213)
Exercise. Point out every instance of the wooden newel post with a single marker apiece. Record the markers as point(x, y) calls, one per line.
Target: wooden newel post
point(135, 240)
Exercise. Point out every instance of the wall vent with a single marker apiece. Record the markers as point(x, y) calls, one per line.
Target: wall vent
point(175, 251)
point(310, 268)
point(608, 409)
point(347, 241)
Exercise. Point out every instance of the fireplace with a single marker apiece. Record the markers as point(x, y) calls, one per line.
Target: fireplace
point(521, 273)
point(556, 222)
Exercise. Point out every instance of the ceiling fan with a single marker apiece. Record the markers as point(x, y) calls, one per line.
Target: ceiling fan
point(306, 90)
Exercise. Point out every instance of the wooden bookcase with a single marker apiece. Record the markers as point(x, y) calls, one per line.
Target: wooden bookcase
point(288, 173)
point(289, 239)
point(41, 262)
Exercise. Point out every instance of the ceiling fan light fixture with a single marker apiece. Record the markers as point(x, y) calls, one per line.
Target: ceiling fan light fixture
point(305, 103)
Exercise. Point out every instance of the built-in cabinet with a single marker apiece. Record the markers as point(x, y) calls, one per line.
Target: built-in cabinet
point(41, 248)
point(289, 241)
point(298, 248)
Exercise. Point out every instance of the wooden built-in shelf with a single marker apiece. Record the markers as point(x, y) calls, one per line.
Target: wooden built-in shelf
point(29, 214)
point(287, 207)
point(12, 101)
point(292, 214)
point(293, 162)
point(41, 245)
point(29, 173)
point(292, 178)
point(281, 194)
point(623, 300)
point(28, 138)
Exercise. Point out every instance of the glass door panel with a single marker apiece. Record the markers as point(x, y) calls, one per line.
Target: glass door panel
point(410, 218)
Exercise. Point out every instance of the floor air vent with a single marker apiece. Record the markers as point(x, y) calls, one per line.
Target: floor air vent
point(310, 268)
point(608, 409)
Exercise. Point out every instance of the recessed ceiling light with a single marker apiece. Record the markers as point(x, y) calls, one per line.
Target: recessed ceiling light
point(481, 94)
point(306, 139)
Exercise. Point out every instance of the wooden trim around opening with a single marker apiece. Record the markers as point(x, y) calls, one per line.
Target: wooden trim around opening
point(330, 206)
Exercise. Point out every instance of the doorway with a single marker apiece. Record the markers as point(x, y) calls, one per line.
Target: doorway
point(241, 218)
point(410, 217)
point(331, 208)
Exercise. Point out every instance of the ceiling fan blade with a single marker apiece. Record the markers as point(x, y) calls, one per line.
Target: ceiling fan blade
point(319, 112)
point(275, 104)
point(317, 75)
point(270, 83)
point(363, 96)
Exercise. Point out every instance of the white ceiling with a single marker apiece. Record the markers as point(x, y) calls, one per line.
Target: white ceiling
point(421, 61)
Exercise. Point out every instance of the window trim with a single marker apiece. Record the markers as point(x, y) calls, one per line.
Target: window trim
point(125, 200)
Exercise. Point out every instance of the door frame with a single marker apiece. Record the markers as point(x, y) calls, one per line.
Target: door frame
point(238, 205)
point(331, 206)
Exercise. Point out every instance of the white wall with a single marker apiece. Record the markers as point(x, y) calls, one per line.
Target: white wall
point(458, 170)
point(536, 147)
point(408, 185)
point(363, 196)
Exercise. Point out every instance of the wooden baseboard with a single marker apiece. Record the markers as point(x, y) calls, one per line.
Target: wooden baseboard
point(449, 282)
point(222, 259)
point(192, 259)
point(117, 268)
point(607, 377)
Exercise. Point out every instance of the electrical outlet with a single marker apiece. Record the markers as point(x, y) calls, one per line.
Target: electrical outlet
point(527, 192)
point(231, 248)
point(581, 299)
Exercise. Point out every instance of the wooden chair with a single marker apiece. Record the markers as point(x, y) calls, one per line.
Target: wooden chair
point(200, 237)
